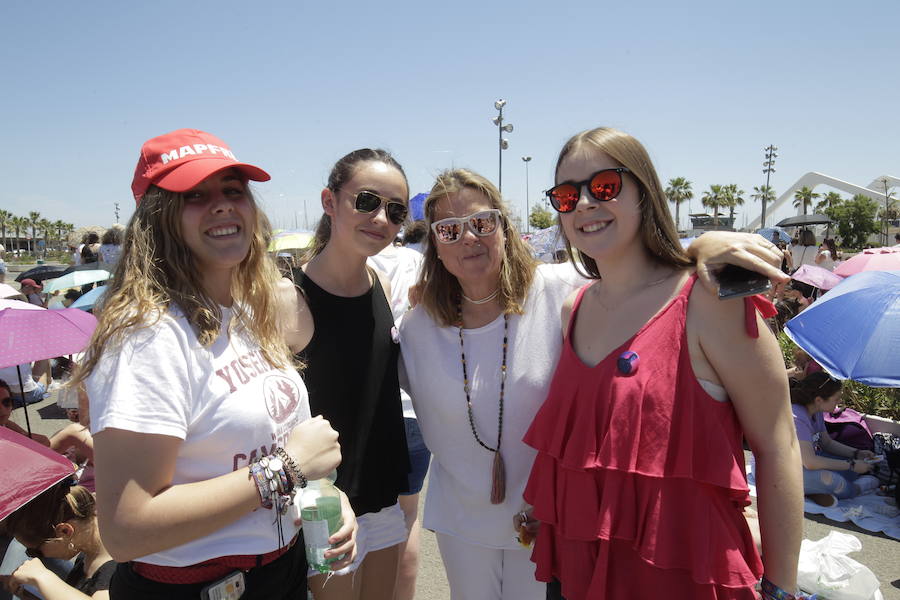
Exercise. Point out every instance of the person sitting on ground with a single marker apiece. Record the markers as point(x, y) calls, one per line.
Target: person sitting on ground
point(6, 408)
point(831, 470)
point(70, 298)
point(32, 291)
point(803, 365)
point(61, 523)
point(35, 381)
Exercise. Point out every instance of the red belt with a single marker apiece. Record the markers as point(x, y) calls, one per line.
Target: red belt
point(209, 570)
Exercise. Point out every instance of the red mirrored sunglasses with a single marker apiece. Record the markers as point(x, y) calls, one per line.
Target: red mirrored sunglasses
point(604, 185)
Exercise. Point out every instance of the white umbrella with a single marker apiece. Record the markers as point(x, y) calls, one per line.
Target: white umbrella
point(76, 279)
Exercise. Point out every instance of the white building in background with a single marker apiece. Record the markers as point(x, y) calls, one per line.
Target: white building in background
point(875, 191)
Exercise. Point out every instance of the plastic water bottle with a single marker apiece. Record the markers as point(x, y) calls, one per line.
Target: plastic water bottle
point(320, 509)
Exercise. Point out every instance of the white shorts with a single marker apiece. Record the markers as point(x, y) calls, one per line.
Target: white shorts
point(377, 531)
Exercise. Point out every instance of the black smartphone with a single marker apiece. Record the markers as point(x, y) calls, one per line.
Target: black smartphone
point(736, 282)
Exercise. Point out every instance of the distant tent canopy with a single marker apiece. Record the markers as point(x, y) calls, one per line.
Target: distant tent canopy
point(417, 206)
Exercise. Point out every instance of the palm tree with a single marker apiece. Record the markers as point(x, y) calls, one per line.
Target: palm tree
point(734, 197)
point(5, 217)
point(713, 198)
point(19, 223)
point(59, 226)
point(763, 194)
point(828, 201)
point(804, 197)
point(678, 191)
point(47, 228)
point(34, 218)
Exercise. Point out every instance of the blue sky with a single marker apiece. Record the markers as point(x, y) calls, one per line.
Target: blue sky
point(294, 85)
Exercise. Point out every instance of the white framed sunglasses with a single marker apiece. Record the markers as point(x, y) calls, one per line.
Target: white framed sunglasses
point(482, 223)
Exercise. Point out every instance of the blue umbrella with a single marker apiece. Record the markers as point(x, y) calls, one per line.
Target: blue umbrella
point(853, 331)
point(769, 234)
point(87, 301)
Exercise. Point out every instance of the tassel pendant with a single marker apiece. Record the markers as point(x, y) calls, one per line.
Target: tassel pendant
point(498, 479)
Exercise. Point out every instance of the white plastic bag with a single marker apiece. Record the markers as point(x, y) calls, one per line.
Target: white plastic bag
point(824, 568)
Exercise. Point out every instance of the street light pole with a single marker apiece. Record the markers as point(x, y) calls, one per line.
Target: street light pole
point(526, 160)
point(503, 143)
point(884, 181)
point(768, 169)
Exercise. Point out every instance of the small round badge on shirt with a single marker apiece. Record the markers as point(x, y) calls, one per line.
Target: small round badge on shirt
point(628, 362)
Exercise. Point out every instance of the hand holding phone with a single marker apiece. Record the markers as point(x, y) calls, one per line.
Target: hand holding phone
point(737, 282)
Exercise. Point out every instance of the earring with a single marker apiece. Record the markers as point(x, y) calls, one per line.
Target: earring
point(71, 546)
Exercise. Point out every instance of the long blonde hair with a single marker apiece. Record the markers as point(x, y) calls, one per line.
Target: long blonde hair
point(440, 289)
point(657, 231)
point(156, 270)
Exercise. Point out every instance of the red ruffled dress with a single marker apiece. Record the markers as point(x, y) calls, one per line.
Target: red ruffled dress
point(639, 480)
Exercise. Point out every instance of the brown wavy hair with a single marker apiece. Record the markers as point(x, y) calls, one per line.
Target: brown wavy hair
point(440, 289)
point(157, 270)
point(658, 232)
point(35, 522)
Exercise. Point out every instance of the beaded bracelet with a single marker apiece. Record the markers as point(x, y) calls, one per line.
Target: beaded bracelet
point(257, 473)
point(770, 591)
point(291, 467)
point(273, 484)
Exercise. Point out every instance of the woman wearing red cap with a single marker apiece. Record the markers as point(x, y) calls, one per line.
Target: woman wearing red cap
point(201, 423)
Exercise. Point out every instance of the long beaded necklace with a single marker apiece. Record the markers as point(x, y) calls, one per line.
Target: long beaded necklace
point(498, 472)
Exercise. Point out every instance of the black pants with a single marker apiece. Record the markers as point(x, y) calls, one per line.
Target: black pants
point(281, 579)
point(554, 590)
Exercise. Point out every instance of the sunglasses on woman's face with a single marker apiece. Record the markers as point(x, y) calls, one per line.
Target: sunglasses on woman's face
point(481, 223)
point(603, 186)
point(367, 202)
point(7, 402)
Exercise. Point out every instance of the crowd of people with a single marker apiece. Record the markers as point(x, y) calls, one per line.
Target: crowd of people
point(583, 420)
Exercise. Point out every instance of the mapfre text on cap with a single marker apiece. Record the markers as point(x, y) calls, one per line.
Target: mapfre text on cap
point(195, 149)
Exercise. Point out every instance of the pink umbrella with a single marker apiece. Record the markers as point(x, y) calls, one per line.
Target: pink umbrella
point(28, 335)
point(29, 469)
point(873, 259)
point(816, 277)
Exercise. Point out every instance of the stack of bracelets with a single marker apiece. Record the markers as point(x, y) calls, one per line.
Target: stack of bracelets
point(276, 477)
point(770, 591)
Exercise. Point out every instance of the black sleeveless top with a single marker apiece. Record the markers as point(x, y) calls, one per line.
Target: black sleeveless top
point(351, 376)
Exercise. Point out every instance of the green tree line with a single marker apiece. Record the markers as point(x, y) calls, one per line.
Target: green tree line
point(40, 228)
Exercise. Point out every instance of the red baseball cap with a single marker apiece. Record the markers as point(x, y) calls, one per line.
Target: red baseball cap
point(32, 283)
point(179, 160)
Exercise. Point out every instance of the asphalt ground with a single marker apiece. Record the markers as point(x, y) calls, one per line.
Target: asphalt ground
point(880, 553)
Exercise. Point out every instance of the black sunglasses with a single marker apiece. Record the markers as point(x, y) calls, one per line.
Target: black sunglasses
point(7, 402)
point(367, 202)
point(604, 185)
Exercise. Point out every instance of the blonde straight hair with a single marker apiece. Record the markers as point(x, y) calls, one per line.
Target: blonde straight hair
point(156, 270)
point(658, 232)
point(440, 290)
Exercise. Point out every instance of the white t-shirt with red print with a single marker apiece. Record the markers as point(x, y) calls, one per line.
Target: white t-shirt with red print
point(225, 402)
